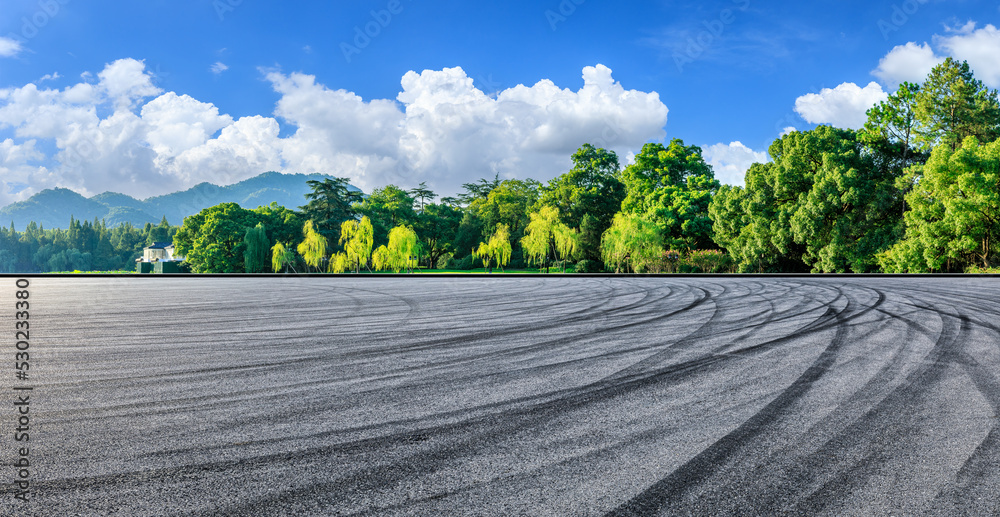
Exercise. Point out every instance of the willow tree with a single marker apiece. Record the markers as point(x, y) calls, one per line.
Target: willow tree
point(338, 263)
point(401, 253)
point(497, 249)
point(357, 238)
point(255, 253)
point(546, 235)
point(281, 257)
point(631, 241)
point(313, 247)
point(380, 258)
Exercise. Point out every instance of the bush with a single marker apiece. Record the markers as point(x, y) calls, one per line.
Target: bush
point(467, 263)
point(710, 261)
point(976, 270)
point(442, 263)
point(589, 266)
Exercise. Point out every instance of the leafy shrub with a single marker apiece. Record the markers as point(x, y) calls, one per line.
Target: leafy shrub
point(442, 263)
point(466, 263)
point(589, 266)
point(709, 261)
point(976, 270)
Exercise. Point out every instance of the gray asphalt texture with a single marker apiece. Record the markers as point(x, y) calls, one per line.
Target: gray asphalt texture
point(510, 396)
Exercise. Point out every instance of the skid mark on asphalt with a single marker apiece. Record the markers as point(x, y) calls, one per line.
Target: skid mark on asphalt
point(549, 396)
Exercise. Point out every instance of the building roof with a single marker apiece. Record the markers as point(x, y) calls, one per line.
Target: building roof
point(159, 246)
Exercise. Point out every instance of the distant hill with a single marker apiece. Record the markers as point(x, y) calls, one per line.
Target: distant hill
point(52, 208)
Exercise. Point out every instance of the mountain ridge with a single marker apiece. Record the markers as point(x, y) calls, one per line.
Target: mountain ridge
point(52, 208)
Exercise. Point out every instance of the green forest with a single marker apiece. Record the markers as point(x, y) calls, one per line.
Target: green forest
point(916, 190)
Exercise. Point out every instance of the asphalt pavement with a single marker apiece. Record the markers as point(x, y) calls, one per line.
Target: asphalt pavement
point(507, 396)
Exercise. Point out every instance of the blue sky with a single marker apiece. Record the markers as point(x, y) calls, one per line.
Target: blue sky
point(149, 97)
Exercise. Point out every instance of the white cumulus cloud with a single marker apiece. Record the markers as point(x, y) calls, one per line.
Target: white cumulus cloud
point(843, 106)
point(731, 161)
point(912, 62)
point(909, 62)
point(980, 47)
point(9, 47)
point(125, 81)
point(118, 131)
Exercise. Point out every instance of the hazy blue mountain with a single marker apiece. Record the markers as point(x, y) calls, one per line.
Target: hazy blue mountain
point(114, 199)
point(53, 208)
point(124, 214)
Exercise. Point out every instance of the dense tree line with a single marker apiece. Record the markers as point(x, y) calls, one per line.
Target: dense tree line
point(494, 223)
point(84, 246)
point(917, 189)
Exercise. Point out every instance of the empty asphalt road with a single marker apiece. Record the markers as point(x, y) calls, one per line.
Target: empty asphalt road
point(508, 396)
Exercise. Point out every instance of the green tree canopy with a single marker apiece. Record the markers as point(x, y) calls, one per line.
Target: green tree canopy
point(497, 249)
point(468, 234)
point(257, 247)
point(330, 204)
point(421, 193)
point(672, 186)
point(400, 253)
point(507, 204)
point(338, 263)
point(358, 239)
point(280, 223)
point(822, 204)
point(386, 208)
point(313, 246)
point(891, 128)
point(479, 190)
point(590, 187)
point(954, 216)
point(631, 241)
point(437, 225)
point(212, 240)
point(953, 105)
point(546, 236)
point(281, 258)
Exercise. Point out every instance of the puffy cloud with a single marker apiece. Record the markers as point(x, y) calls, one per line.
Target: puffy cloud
point(449, 132)
point(48, 114)
point(9, 47)
point(244, 148)
point(912, 62)
point(909, 62)
point(440, 129)
point(980, 47)
point(789, 129)
point(15, 170)
point(731, 161)
point(178, 123)
point(92, 154)
point(12, 154)
point(126, 81)
point(843, 106)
